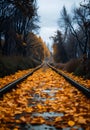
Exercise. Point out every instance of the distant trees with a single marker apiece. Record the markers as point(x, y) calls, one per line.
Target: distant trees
point(78, 19)
point(59, 52)
point(36, 48)
point(16, 18)
point(75, 31)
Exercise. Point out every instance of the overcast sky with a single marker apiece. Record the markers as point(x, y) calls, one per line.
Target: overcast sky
point(49, 12)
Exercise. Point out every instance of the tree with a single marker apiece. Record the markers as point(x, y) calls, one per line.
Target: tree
point(86, 5)
point(20, 17)
point(75, 24)
point(59, 52)
point(81, 18)
point(71, 46)
point(36, 48)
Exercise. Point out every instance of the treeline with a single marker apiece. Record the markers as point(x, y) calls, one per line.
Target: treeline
point(36, 52)
point(20, 47)
point(72, 40)
point(17, 19)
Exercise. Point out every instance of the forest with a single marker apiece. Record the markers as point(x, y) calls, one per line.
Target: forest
point(71, 43)
point(42, 89)
point(21, 47)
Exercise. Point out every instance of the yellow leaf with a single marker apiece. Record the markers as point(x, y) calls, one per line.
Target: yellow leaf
point(23, 119)
point(17, 121)
point(15, 129)
point(39, 106)
point(29, 109)
point(71, 123)
point(37, 120)
point(58, 119)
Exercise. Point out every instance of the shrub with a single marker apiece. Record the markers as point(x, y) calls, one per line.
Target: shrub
point(71, 65)
point(79, 70)
point(9, 65)
point(83, 70)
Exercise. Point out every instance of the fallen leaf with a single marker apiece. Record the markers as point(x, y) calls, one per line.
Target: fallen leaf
point(23, 119)
point(58, 119)
point(81, 120)
point(71, 123)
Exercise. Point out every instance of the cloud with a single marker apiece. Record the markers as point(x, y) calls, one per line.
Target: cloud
point(49, 10)
point(47, 31)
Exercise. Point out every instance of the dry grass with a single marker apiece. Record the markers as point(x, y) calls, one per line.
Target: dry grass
point(72, 65)
point(76, 66)
point(9, 65)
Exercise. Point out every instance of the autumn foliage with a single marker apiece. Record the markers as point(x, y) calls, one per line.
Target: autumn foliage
point(26, 54)
point(44, 98)
point(37, 49)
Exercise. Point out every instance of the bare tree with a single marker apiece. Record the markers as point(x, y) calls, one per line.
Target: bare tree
point(75, 23)
point(59, 52)
point(19, 16)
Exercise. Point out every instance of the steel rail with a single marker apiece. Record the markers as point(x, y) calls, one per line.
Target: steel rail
point(13, 84)
point(80, 87)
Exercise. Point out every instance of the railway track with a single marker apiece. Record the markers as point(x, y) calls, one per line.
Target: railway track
point(44, 100)
point(11, 85)
point(80, 87)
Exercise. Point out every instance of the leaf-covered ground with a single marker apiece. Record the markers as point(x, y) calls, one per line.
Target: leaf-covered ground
point(79, 79)
point(45, 98)
point(10, 78)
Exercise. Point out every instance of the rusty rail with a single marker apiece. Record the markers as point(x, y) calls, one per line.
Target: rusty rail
point(13, 84)
point(80, 87)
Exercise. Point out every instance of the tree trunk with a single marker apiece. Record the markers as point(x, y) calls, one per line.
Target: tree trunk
point(0, 43)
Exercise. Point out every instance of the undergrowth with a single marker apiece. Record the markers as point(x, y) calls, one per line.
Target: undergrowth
point(9, 65)
point(77, 67)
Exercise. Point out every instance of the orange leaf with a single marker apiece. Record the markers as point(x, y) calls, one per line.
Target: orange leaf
point(58, 119)
point(71, 123)
point(29, 109)
point(81, 120)
point(23, 119)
